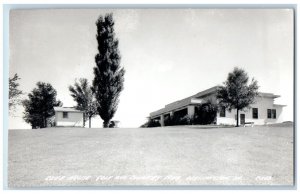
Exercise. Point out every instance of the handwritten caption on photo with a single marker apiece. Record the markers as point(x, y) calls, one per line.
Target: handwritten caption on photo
point(151, 178)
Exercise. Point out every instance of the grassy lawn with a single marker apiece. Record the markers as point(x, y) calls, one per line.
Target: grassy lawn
point(262, 155)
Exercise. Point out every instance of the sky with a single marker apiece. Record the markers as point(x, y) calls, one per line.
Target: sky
point(168, 54)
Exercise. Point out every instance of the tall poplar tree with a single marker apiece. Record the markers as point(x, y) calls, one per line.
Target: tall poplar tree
point(109, 75)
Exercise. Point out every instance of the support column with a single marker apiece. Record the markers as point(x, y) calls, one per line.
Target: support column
point(162, 120)
point(191, 111)
point(171, 113)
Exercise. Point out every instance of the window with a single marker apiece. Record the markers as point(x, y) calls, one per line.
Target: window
point(222, 112)
point(65, 115)
point(255, 113)
point(271, 113)
point(274, 113)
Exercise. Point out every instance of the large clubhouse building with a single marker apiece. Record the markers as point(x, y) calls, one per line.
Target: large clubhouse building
point(264, 111)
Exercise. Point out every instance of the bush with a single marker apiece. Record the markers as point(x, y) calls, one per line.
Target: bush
point(145, 125)
point(169, 121)
point(184, 120)
point(205, 113)
point(112, 124)
point(177, 120)
point(151, 123)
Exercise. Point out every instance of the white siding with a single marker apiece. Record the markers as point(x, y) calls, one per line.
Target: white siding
point(74, 119)
point(262, 103)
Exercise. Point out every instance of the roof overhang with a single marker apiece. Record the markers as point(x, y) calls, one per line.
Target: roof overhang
point(281, 105)
point(66, 109)
point(268, 95)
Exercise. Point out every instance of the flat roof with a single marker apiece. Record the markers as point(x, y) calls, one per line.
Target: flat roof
point(66, 109)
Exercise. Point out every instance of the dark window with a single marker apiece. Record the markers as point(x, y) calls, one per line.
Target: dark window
point(65, 115)
point(255, 113)
point(269, 114)
point(222, 112)
point(274, 113)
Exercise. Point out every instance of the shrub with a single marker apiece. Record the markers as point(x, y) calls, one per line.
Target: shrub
point(145, 125)
point(205, 113)
point(112, 124)
point(177, 120)
point(169, 121)
point(153, 123)
point(186, 120)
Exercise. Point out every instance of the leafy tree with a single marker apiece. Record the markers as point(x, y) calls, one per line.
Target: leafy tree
point(236, 93)
point(39, 106)
point(83, 95)
point(109, 75)
point(14, 92)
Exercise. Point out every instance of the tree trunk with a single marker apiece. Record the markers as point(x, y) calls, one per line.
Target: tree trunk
point(237, 117)
point(84, 119)
point(90, 122)
point(44, 122)
point(105, 124)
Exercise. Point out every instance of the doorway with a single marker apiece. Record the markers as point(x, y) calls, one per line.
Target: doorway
point(242, 117)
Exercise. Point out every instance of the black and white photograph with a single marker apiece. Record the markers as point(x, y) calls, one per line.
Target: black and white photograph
point(170, 96)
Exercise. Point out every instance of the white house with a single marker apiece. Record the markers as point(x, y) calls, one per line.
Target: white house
point(68, 117)
point(264, 111)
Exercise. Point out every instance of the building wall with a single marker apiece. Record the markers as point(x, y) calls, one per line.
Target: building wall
point(75, 119)
point(262, 103)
